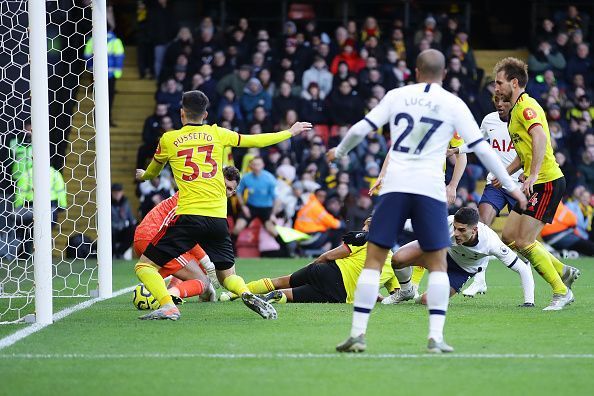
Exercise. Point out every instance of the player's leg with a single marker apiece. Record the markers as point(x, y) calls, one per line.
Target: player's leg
point(387, 222)
point(402, 262)
point(205, 262)
point(260, 286)
point(418, 273)
point(429, 220)
point(194, 281)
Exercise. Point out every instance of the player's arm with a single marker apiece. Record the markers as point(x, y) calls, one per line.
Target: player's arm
point(467, 128)
point(459, 167)
point(269, 139)
point(340, 252)
point(513, 262)
point(512, 168)
point(157, 163)
point(380, 178)
point(378, 116)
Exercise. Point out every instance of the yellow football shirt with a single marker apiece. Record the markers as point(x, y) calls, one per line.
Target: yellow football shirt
point(196, 156)
point(351, 267)
point(525, 115)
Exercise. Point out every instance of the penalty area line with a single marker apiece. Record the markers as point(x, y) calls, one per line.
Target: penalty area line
point(34, 328)
point(288, 356)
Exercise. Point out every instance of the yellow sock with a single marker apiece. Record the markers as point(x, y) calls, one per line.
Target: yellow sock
point(154, 282)
point(261, 286)
point(235, 284)
point(539, 258)
point(559, 266)
point(417, 275)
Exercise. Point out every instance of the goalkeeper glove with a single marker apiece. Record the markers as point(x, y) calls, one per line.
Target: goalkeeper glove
point(355, 238)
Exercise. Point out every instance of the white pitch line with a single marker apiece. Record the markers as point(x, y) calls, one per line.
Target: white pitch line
point(290, 356)
point(34, 328)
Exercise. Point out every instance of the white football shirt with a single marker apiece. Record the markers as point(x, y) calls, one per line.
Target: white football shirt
point(475, 258)
point(495, 131)
point(423, 118)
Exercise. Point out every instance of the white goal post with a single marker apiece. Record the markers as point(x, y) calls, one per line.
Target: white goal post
point(71, 103)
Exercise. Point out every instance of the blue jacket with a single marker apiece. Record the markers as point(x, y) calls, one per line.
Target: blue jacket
point(583, 222)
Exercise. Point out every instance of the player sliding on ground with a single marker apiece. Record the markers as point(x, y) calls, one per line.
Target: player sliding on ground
point(472, 244)
point(544, 182)
point(331, 278)
point(187, 270)
point(195, 154)
point(422, 118)
point(494, 200)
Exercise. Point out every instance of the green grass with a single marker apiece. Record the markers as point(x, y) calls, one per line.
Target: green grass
point(109, 343)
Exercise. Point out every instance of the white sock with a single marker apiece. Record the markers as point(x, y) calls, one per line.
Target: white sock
point(479, 277)
point(365, 297)
point(404, 275)
point(438, 296)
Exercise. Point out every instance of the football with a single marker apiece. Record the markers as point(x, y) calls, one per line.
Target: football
point(143, 299)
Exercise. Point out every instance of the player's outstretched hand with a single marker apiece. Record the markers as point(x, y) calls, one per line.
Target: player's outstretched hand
point(519, 196)
point(451, 194)
point(299, 127)
point(376, 186)
point(331, 154)
point(496, 183)
point(452, 151)
point(139, 174)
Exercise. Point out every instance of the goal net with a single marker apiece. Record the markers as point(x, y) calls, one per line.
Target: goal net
point(73, 174)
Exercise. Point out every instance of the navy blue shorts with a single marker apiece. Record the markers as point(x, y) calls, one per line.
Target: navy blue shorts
point(497, 198)
point(429, 220)
point(457, 275)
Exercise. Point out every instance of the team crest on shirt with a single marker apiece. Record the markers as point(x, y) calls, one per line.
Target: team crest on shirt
point(532, 201)
point(529, 113)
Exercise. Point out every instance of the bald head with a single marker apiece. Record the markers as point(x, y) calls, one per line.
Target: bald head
point(431, 65)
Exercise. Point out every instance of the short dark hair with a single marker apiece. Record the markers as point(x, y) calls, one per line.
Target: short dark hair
point(194, 104)
point(513, 68)
point(231, 173)
point(468, 216)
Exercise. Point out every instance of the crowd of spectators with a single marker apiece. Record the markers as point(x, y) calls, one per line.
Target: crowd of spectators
point(262, 81)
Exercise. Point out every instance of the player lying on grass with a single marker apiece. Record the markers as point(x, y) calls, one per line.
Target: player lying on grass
point(472, 244)
point(195, 153)
point(331, 278)
point(187, 269)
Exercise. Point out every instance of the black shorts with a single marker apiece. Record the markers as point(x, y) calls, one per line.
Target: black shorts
point(543, 202)
point(258, 213)
point(318, 283)
point(185, 231)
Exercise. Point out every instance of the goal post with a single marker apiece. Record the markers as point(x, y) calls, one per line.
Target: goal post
point(100, 74)
point(42, 230)
point(55, 195)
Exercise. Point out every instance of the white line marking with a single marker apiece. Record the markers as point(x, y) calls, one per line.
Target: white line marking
point(295, 356)
point(34, 328)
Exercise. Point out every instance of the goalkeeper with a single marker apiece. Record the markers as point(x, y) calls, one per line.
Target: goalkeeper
point(331, 278)
point(188, 269)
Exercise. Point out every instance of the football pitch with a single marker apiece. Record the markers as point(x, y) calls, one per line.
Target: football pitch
point(226, 349)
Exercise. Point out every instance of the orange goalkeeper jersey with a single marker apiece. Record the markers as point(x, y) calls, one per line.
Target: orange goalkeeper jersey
point(158, 217)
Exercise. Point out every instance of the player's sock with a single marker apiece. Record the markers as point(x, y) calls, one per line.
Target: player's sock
point(261, 286)
point(559, 266)
point(235, 284)
point(438, 296)
point(154, 282)
point(189, 288)
point(365, 297)
point(417, 275)
point(404, 276)
point(539, 257)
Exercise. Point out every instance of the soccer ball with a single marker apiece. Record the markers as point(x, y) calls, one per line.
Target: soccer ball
point(143, 299)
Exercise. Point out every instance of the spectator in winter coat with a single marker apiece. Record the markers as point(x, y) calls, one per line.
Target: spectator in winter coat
point(319, 74)
point(254, 96)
